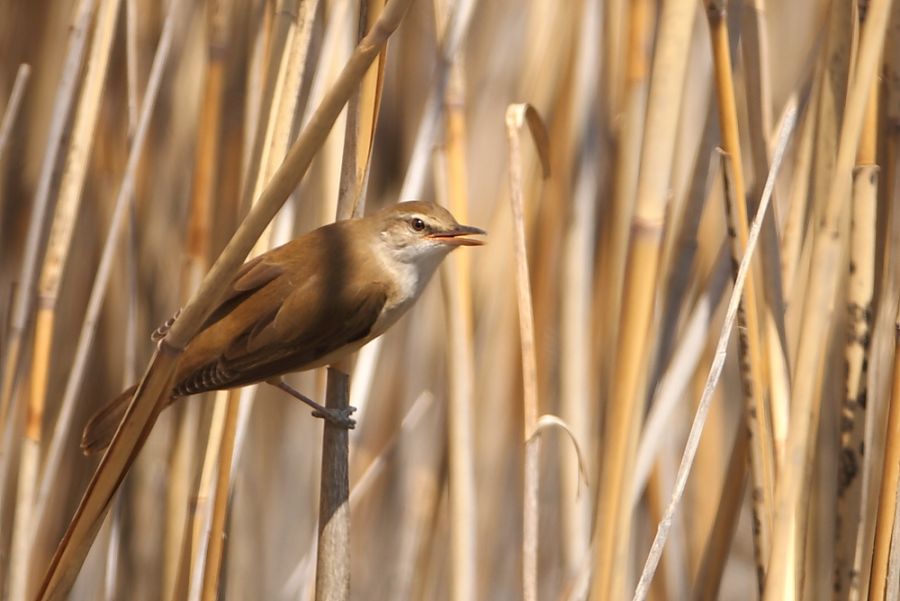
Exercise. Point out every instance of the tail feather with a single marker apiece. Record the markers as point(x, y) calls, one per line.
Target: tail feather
point(99, 431)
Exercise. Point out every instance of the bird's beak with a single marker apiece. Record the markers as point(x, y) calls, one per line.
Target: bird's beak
point(455, 237)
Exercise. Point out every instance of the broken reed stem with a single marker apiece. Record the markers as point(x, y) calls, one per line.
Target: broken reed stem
point(715, 369)
point(860, 290)
point(142, 412)
point(612, 530)
point(890, 482)
point(752, 340)
point(794, 484)
point(516, 116)
point(333, 558)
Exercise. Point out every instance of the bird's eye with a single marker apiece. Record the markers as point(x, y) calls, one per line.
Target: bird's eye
point(417, 224)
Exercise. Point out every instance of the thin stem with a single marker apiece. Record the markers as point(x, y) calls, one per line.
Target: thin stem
point(333, 559)
point(715, 371)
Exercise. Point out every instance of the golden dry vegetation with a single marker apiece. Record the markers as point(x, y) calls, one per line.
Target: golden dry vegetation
point(668, 375)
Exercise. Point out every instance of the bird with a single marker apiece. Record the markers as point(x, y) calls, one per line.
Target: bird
point(306, 304)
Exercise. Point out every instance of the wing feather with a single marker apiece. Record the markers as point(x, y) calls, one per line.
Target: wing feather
point(269, 349)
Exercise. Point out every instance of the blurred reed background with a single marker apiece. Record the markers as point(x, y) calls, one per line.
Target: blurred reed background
point(148, 128)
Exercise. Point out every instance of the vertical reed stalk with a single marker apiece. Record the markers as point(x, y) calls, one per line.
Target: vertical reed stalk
point(890, 482)
point(285, 27)
point(12, 107)
point(675, 380)
point(456, 279)
point(451, 38)
point(362, 116)
point(752, 341)
point(333, 558)
point(715, 553)
point(516, 117)
point(860, 290)
point(615, 16)
point(59, 124)
point(715, 370)
point(67, 205)
point(156, 382)
point(627, 259)
point(793, 491)
point(215, 490)
point(755, 48)
point(216, 535)
point(612, 260)
point(98, 291)
point(576, 356)
point(798, 198)
point(612, 531)
point(196, 262)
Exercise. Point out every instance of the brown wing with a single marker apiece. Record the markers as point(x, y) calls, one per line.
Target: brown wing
point(253, 275)
point(283, 318)
point(288, 340)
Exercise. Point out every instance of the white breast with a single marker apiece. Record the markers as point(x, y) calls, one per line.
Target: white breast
point(409, 280)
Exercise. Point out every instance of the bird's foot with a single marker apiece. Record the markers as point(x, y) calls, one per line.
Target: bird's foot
point(337, 416)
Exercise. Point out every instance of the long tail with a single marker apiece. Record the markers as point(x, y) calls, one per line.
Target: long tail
point(98, 432)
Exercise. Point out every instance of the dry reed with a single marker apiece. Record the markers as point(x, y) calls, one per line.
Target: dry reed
point(600, 300)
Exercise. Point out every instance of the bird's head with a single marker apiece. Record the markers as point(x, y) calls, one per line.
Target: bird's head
point(422, 232)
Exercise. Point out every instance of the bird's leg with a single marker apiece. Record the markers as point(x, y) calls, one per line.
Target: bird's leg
point(339, 417)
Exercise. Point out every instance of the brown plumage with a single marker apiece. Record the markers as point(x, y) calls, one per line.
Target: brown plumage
point(308, 303)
